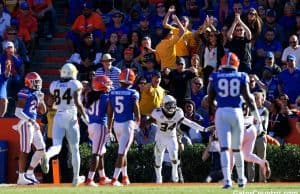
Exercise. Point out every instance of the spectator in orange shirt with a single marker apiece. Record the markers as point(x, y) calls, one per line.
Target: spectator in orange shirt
point(28, 26)
point(90, 22)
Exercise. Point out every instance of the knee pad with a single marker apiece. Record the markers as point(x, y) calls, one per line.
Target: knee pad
point(158, 157)
point(74, 148)
point(173, 156)
point(57, 149)
point(40, 153)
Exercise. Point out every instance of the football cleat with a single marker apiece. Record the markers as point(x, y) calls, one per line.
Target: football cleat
point(78, 180)
point(90, 183)
point(23, 181)
point(104, 181)
point(125, 180)
point(242, 183)
point(116, 183)
point(267, 170)
point(227, 184)
point(32, 178)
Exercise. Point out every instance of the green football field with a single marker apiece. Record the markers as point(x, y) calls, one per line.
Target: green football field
point(189, 188)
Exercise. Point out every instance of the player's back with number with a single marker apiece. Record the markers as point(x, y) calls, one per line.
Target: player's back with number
point(63, 91)
point(122, 101)
point(97, 110)
point(227, 85)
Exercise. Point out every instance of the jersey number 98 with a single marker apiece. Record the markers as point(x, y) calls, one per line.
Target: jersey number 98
point(229, 87)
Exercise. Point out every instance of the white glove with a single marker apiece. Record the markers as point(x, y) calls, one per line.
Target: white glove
point(35, 125)
point(18, 125)
point(40, 95)
point(110, 138)
point(210, 128)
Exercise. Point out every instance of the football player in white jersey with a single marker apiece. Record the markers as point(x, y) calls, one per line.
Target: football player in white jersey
point(67, 92)
point(248, 143)
point(228, 86)
point(168, 118)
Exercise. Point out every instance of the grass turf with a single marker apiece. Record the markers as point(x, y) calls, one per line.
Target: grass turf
point(270, 188)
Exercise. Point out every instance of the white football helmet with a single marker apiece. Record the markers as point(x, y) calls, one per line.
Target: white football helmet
point(69, 71)
point(169, 104)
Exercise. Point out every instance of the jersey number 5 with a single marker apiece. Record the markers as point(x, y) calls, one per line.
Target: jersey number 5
point(66, 96)
point(229, 87)
point(119, 108)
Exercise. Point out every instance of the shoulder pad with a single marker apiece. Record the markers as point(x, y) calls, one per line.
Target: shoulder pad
point(76, 84)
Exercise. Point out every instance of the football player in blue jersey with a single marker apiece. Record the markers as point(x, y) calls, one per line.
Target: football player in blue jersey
point(96, 109)
point(30, 99)
point(123, 109)
point(228, 87)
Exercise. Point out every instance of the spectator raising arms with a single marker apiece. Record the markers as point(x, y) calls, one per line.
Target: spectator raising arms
point(239, 36)
point(186, 45)
point(166, 49)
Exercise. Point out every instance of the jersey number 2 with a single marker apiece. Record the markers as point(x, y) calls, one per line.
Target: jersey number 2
point(229, 87)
